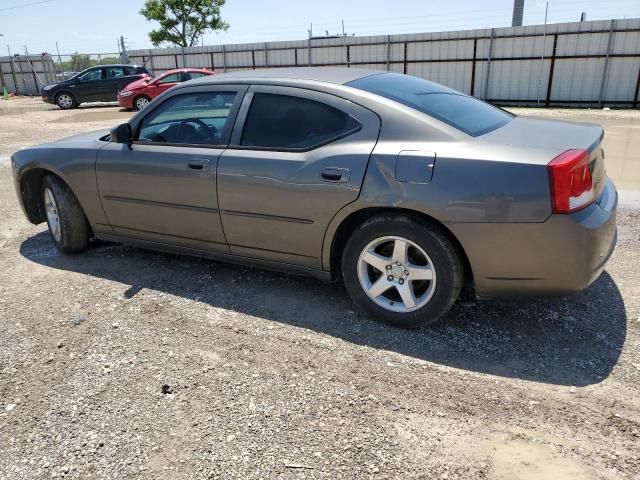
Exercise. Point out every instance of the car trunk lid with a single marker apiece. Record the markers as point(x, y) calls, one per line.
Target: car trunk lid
point(555, 137)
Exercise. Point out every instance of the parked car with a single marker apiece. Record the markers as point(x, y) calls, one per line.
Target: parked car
point(138, 94)
point(403, 188)
point(96, 84)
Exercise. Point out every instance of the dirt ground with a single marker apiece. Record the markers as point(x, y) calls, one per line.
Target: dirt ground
point(124, 363)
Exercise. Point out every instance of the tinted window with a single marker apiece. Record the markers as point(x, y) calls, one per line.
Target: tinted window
point(195, 118)
point(92, 75)
point(280, 121)
point(133, 70)
point(115, 72)
point(192, 75)
point(173, 78)
point(465, 113)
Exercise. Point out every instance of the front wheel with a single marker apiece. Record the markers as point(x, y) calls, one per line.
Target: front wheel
point(140, 102)
point(66, 220)
point(402, 271)
point(66, 101)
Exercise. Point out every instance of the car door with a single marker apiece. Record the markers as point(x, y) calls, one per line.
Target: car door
point(299, 157)
point(163, 84)
point(162, 188)
point(115, 79)
point(89, 84)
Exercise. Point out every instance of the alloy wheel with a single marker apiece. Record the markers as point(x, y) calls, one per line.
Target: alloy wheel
point(53, 218)
point(396, 274)
point(65, 100)
point(141, 103)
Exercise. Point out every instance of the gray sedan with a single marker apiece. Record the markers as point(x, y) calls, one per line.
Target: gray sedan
point(408, 191)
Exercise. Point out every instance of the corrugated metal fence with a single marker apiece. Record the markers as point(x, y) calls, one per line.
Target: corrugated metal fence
point(26, 75)
point(593, 63)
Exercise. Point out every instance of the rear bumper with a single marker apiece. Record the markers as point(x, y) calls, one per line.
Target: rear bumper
point(562, 255)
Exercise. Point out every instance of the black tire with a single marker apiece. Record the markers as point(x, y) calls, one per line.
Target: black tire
point(135, 102)
point(66, 105)
point(444, 255)
point(74, 227)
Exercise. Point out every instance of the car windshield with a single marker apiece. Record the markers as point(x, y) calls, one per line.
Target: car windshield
point(463, 112)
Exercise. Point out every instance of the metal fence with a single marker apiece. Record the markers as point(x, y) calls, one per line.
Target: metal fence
point(593, 63)
point(26, 74)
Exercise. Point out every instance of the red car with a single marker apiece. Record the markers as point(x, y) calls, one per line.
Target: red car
point(138, 94)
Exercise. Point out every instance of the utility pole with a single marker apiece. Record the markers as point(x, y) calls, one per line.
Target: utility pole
point(544, 38)
point(518, 12)
point(309, 44)
point(59, 61)
point(2, 84)
point(124, 55)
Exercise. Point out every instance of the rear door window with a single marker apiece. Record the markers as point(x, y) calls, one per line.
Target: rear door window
point(192, 75)
point(173, 78)
point(189, 119)
point(115, 72)
point(136, 70)
point(286, 122)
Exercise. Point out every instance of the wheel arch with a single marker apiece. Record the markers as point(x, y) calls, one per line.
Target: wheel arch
point(30, 185)
point(333, 251)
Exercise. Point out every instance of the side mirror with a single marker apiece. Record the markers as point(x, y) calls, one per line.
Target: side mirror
point(122, 134)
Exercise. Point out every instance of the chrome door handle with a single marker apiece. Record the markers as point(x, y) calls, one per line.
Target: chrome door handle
point(201, 164)
point(335, 174)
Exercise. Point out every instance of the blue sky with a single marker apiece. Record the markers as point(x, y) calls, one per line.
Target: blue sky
point(91, 26)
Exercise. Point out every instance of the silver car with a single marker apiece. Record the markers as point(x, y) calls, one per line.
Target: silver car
point(407, 191)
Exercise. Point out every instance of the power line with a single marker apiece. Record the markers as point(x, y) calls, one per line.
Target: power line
point(25, 5)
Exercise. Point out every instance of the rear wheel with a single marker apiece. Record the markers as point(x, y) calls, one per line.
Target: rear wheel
point(67, 223)
point(402, 271)
point(140, 102)
point(65, 101)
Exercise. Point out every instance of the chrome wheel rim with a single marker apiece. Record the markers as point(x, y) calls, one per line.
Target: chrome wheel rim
point(141, 103)
point(53, 218)
point(396, 274)
point(65, 101)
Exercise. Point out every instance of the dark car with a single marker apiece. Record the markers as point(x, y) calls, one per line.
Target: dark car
point(405, 189)
point(95, 84)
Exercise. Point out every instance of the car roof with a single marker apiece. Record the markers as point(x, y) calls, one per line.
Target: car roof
point(187, 69)
point(115, 65)
point(336, 75)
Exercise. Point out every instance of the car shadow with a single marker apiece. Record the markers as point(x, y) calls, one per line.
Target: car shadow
point(575, 340)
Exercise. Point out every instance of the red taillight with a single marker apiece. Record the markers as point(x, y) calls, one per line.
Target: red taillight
point(570, 181)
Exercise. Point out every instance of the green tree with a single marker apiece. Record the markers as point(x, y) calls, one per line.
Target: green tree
point(182, 22)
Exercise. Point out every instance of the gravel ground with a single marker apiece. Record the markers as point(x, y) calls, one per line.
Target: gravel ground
point(124, 363)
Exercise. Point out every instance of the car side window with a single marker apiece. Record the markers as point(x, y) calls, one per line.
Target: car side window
point(115, 72)
point(191, 118)
point(192, 75)
point(285, 122)
point(173, 78)
point(92, 75)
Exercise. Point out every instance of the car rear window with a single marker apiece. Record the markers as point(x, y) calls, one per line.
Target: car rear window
point(136, 70)
point(463, 112)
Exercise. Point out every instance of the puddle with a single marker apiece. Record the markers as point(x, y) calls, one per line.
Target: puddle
point(520, 460)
